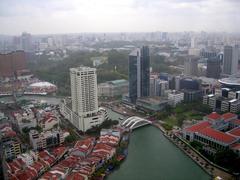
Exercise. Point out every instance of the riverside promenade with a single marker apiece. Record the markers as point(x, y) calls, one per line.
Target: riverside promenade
point(199, 159)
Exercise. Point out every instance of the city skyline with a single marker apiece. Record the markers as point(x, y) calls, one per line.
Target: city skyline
point(123, 16)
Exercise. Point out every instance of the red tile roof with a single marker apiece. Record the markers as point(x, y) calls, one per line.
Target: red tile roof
point(235, 131)
point(236, 122)
point(49, 176)
point(199, 126)
point(75, 176)
point(214, 116)
point(37, 166)
point(228, 115)
point(235, 146)
point(217, 135)
point(59, 151)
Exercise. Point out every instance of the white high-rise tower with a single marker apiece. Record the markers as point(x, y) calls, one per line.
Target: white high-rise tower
point(84, 112)
point(84, 90)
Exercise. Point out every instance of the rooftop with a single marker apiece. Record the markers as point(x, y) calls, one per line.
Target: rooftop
point(217, 135)
point(82, 68)
point(199, 126)
point(228, 115)
point(118, 82)
point(235, 132)
point(236, 146)
point(214, 116)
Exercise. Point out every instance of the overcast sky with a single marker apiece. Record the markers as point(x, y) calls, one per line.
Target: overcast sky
point(74, 16)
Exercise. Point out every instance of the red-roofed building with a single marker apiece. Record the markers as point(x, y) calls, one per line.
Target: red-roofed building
point(188, 133)
point(236, 148)
point(209, 132)
point(234, 123)
point(76, 176)
point(235, 132)
point(83, 147)
point(47, 121)
point(109, 139)
point(216, 135)
point(229, 116)
point(58, 152)
point(214, 116)
point(103, 151)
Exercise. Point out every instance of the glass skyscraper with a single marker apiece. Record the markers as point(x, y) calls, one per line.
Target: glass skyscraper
point(139, 73)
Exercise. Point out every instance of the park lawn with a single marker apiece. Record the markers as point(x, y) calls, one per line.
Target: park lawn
point(171, 120)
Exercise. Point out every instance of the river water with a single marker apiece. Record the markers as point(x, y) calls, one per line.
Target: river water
point(151, 156)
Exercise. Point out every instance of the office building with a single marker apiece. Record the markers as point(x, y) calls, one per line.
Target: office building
point(139, 74)
point(213, 67)
point(175, 97)
point(191, 66)
point(134, 75)
point(192, 95)
point(113, 88)
point(145, 71)
point(189, 83)
point(230, 60)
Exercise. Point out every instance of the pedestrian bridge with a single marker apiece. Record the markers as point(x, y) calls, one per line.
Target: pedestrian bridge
point(135, 122)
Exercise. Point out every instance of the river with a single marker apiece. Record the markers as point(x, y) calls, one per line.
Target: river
point(153, 157)
point(50, 100)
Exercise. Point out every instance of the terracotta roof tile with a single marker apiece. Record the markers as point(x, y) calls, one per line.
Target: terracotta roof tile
point(214, 116)
point(217, 135)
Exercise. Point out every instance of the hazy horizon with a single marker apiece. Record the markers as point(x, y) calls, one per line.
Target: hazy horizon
point(109, 16)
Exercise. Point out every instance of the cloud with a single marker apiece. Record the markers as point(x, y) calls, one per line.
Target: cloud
point(62, 16)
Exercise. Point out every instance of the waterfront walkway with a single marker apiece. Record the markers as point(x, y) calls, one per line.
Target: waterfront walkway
point(205, 164)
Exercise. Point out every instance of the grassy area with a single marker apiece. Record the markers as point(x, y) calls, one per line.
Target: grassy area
point(184, 111)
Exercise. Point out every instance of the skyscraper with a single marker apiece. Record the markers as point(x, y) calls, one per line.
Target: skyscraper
point(84, 90)
point(139, 73)
point(134, 75)
point(84, 98)
point(26, 42)
point(213, 67)
point(191, 66)
point(145, 71)
point(230, 60)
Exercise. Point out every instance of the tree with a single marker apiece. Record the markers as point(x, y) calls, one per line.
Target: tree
point(70, 138)
point(225, 158)
point(197, 145)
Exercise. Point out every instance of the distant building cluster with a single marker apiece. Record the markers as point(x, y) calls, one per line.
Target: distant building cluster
point(17, 79)
point(225, 100)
